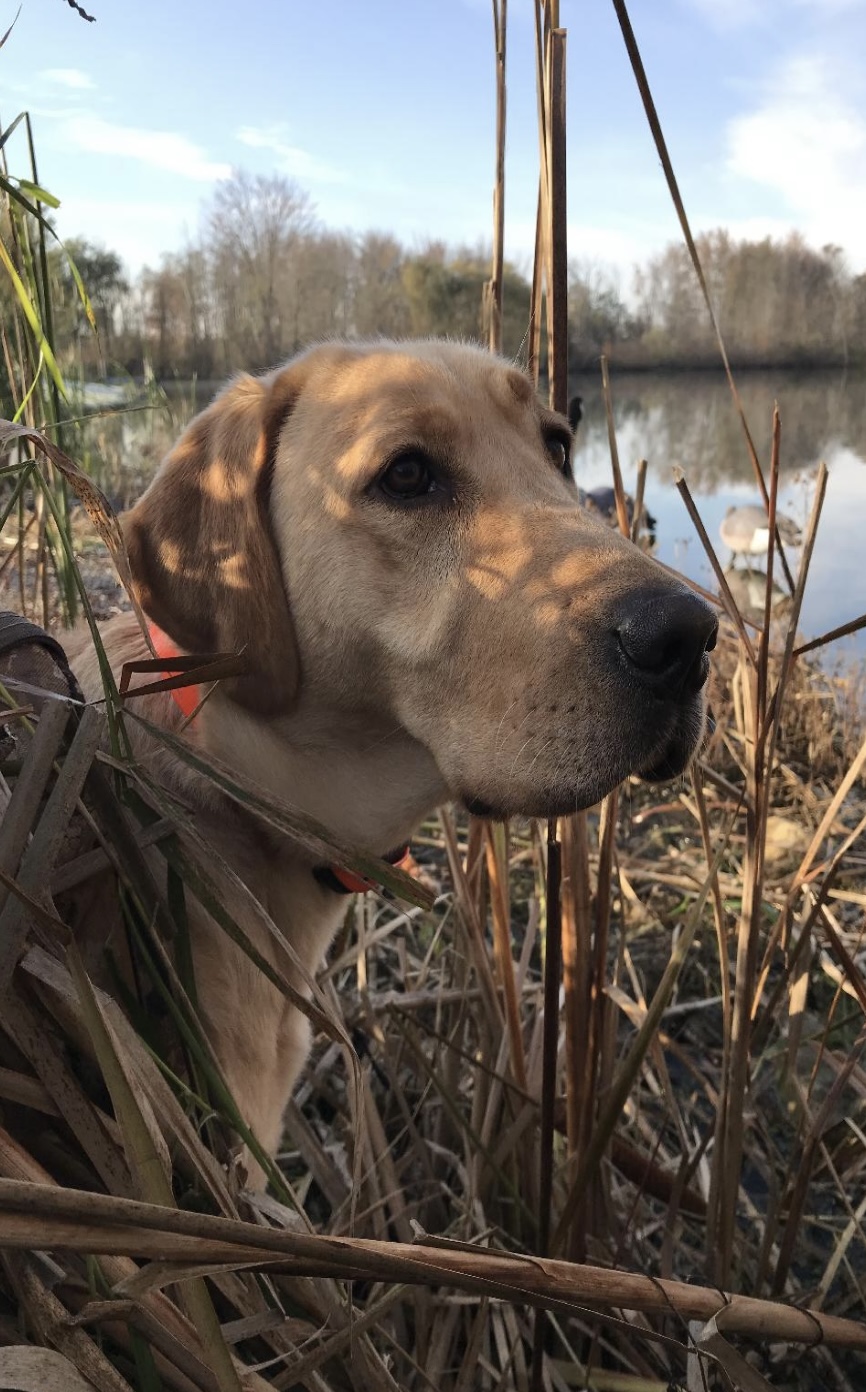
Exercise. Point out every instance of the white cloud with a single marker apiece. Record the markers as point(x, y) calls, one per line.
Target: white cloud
point(611, 250)
point(161, 149)
point(72, 78)
point(615, 250)
point(140, 231)
point(807, 142)
point(293, 160)
point(751, 229)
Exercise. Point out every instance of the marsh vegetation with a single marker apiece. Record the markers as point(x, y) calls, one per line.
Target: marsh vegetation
point(684, 1122)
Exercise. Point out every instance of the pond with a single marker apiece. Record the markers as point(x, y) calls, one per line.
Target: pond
point(686, 420)
point(689, 420)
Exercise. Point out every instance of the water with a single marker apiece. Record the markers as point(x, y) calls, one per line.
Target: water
point(689, 420)
point(674, 419)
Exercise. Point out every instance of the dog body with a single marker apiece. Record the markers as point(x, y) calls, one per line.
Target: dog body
point(391, 535)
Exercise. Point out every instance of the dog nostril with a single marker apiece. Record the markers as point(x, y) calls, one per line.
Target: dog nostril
point(665, 638)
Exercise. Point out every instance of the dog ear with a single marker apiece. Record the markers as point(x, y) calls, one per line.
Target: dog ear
point(201, 546)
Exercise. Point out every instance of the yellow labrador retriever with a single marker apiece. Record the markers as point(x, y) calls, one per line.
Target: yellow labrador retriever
point(392, 536)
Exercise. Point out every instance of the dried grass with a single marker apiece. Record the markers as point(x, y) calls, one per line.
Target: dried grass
point(435, 1130)
point(685, 1122)
point(681, 1149)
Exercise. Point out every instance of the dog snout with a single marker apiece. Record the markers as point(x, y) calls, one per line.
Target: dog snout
point(665, 639)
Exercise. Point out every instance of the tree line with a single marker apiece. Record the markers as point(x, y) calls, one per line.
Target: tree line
point(264, 277)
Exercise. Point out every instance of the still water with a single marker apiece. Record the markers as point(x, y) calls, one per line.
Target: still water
point(689, 420)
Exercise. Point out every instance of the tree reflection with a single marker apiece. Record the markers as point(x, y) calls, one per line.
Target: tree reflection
point(688, 419)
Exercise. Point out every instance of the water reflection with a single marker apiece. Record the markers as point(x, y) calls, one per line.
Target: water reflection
point(745, 530)
point(749, 587)
point(686, 420)
point(120, 446)
point(689, 420)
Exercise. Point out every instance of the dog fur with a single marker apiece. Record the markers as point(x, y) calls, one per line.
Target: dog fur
point(400, 653)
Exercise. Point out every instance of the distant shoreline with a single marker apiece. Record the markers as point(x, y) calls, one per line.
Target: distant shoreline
point(704, 367)
point(590, 367)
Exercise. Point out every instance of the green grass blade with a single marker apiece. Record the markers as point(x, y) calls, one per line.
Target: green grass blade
point(32, 318)
point(38, 193)
point(18, 193)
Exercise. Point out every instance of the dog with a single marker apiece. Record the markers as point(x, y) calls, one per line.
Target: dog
point(391, 535)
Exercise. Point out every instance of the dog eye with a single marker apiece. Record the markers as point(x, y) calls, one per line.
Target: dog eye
point(558, 449)
point(407, 477)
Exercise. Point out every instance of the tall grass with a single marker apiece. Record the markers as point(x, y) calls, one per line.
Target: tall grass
point(41, 387)
point(663, 1151)
point(34, 388)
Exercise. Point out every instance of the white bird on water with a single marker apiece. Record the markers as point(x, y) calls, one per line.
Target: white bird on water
point(746, 530)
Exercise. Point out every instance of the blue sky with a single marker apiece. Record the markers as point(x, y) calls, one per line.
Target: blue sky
point(383, 110)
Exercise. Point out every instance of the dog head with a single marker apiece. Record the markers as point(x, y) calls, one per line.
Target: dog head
point(394, 530)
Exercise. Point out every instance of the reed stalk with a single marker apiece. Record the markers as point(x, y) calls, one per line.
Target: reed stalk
point(677, 1108)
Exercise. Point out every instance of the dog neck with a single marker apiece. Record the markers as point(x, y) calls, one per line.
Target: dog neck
point(363, 777)
point(368, 782)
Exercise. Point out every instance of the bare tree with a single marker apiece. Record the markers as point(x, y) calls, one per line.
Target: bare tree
point(255, 228)
point(266, 279)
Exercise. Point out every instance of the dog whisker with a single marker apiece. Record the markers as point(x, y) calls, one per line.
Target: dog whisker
point(545, 746)
point(498, 734)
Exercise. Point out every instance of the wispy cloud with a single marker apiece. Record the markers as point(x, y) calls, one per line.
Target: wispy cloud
point(161, 149)
point(748, 229)
point(71, 78)
point(139, 230)
point(806, 141)
point(293, 160)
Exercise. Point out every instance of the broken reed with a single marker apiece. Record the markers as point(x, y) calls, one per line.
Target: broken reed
point(438, 1128)
point(448, 1084)
point(585, 919)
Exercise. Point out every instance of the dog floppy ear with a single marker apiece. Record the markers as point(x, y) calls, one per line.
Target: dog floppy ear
point(201, 546)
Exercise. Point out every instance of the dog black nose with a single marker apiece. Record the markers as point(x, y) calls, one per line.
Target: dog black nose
point(666, 638)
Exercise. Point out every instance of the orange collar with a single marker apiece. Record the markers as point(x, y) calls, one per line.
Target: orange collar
point(341, 881)
point(186, 698)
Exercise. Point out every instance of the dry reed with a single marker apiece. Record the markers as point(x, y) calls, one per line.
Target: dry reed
point(691, 1110)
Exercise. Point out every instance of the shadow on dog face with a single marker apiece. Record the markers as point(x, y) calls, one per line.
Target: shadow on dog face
point(393, 530)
